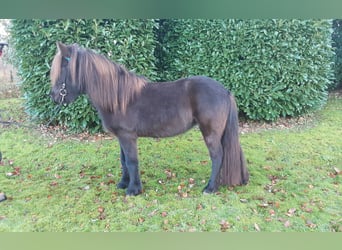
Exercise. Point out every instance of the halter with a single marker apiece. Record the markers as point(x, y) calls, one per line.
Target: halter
point(63, 92)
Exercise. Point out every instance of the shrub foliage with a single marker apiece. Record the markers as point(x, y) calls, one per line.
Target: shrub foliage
point(274, 67)
point(337, 44)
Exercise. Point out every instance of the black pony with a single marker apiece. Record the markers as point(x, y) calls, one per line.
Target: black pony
point(130, 107)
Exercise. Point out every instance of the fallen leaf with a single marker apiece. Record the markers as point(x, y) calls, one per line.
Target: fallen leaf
point(268, 219)
point(101, 211)
point(310, 224)
point(164, 214)
point(287, 224)
point(305, 208)
point(111, 182)
point(184, 195)
point(199, 207)
point(169, 174)
point(57, 176)
point(267, 167)
point(291, 212)
point(256, 226)
point(308, 210)
point(224, 225)
point(153, 213)
point(272, 212)
point(102, 216)
point(15, 172)
point(54, 183)
point(281, 219)
point(337, 171)
point(263, 205)
point(2, 197)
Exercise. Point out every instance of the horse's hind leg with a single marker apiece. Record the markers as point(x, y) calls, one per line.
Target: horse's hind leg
point(213, 142)
point(125, 175)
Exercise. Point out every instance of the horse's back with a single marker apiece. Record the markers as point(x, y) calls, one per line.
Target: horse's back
point(207, 94)
point(206, 86)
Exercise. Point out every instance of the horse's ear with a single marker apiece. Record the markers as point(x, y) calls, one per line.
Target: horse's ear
point(63, 49)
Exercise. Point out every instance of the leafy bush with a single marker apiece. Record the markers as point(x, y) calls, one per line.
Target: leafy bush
point(273, 67)
point(129, 42)
point(337, 44)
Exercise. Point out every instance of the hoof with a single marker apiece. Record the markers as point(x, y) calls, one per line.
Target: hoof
point(209, 190)
point(121, 186)
point(133, 192)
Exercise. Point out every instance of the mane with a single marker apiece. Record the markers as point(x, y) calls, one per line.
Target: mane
point(109, 85)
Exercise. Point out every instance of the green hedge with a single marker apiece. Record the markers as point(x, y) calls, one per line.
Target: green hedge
point(337, 44)
point(274, 67)
point(130, 42)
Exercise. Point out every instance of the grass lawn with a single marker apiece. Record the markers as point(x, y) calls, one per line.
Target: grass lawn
point(69, 184)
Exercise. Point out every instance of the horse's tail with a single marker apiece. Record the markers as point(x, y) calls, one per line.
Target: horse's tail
point(233, 169)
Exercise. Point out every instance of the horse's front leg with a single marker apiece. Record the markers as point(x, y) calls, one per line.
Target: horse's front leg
point(131, 174)
point(125, 175)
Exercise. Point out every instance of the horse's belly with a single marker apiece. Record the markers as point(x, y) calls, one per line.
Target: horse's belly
point(166, 126)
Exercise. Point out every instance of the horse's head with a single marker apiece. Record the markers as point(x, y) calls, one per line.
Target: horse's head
point(63, 90)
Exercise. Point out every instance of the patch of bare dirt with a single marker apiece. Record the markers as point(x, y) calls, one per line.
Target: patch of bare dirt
point(280, 124)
